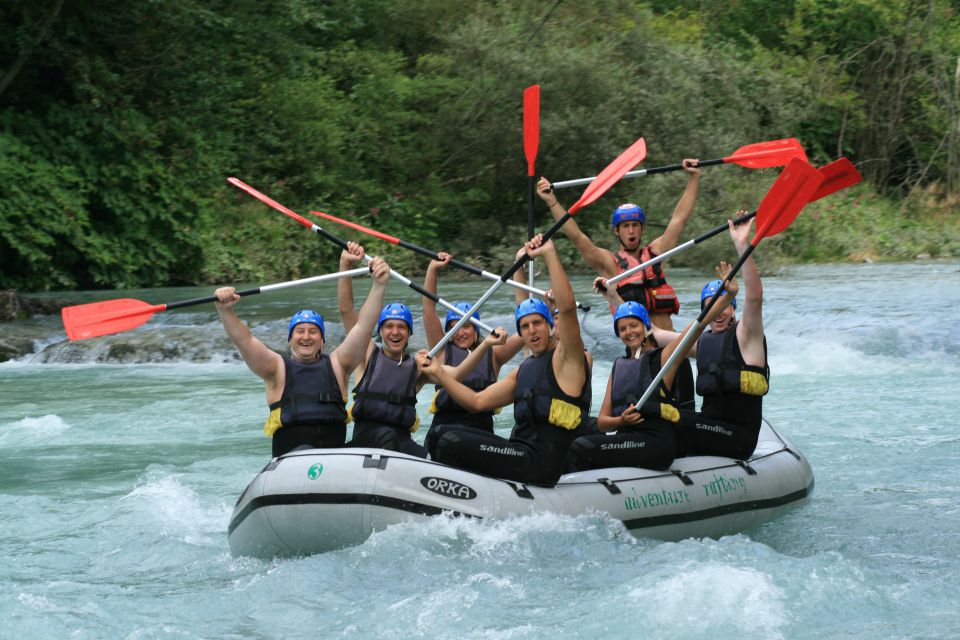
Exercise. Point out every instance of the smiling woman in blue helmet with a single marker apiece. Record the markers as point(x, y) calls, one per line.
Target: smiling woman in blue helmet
point(384, 407)
point(473, 361)
point(645, 435)
point(307, 390)
point(550, 392)
point(648, 287)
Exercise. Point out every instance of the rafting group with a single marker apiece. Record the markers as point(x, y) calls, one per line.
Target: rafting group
point(648, 415)
point(551, 389)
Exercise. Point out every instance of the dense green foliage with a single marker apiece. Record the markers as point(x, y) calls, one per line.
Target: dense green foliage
point(119, 123)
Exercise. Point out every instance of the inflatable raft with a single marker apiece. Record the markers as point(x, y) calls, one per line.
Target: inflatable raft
point(318, 500)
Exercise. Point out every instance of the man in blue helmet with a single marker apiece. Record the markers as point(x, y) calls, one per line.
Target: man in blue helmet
point(458, 355)
point(648, 287)
point(307, 390)
point(550, 392)
point(384, 408)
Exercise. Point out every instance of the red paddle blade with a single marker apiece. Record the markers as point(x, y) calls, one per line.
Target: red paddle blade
point(774, 153)
point(837, 175)
point(358, 227)
point(94, 319)
point(531, 125)
point(270, 202)
point(634, 155)
point(786, 198)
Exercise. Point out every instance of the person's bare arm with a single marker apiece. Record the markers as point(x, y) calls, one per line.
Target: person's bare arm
point(682, 211)
point(348, 260)
point(432, 326)
point(606, 421)
point(750, 327)
point(259, 358)
point(497, 395)
point(469, 363)
point(353, 350)
point(600, 260)
point(568, 359)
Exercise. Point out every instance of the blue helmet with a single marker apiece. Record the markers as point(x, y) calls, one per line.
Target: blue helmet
point(710, 289)
point(631, 310)
point(628, 211)
point(306, 317)
point(395, 311)
point(531, 306)
point(453, 316)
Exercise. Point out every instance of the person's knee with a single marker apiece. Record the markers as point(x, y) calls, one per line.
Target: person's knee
point(580, 453)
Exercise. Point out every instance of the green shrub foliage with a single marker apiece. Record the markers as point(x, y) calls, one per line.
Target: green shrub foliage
point(120, 122)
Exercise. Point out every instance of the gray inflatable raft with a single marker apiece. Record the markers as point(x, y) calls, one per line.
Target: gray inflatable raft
point(317, 500)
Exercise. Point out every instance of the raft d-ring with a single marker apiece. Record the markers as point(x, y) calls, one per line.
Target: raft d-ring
point(743, 465)
point(684, 478)
point(610, 485)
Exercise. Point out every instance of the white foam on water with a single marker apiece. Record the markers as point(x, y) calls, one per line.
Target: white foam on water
point(33, 430)
point(696, 599)
point(177, 510)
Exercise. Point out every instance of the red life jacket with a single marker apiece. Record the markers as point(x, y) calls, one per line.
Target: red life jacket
point(648, 286)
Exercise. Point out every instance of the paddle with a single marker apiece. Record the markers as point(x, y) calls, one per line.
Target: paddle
point(759, 155)
point(95, 319)
point(837, 175)
point(531, 142)
point(343, 245)
point(793, 189)
point(432, 254)
point(633, 155)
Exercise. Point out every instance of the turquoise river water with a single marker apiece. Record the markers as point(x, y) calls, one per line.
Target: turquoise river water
point(121, 458)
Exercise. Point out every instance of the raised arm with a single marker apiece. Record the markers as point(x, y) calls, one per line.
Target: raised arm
point(260, 359)
point(432, 326)
point(750, 327)
point(600, 260)
point(349, 258)
point(568, 359)
point(352, 351)
point(681, 213)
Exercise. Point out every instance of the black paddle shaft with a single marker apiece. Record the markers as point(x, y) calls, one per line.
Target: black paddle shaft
point(205, 299)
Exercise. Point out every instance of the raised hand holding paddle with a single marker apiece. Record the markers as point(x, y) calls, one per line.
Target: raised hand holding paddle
point(837, 175)
point(96, 319)
point(760, 155)
point(631, 157)
point(433, 255)
point(343, 245)
point(794, 188)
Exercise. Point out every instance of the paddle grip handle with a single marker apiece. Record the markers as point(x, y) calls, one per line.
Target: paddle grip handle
point(206, 299)
point(678, 167)
point(721, 228)
point(433, 255)
point(329, 236)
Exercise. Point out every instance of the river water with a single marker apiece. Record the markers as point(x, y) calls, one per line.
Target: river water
point(122, 457)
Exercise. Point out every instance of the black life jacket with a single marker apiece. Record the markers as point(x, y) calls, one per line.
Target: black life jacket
point(311, 396)
point(540, 402)
point(721, 369)
point(630, 378)
point(387, 392)
point(648, 286)
point(446, 409)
